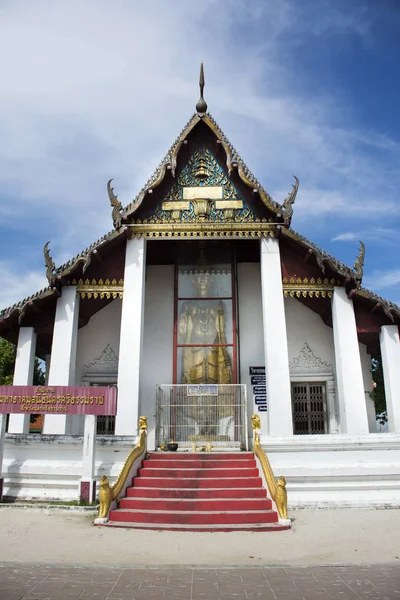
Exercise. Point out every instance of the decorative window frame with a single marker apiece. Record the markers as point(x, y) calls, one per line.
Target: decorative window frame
point(309, 368)
point(103, 370)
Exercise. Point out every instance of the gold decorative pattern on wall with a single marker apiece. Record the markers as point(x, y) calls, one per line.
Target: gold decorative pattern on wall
point(296, 287)
point(99, 289)
point(203, 230)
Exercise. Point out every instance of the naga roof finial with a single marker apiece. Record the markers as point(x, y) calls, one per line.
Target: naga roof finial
point(201, 106)
point(117, 207)
point(48, 263)
point(288, 203)
point(358, 265)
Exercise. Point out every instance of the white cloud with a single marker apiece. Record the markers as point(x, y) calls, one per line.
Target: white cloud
point(17, 284)
point(345, 237)
point(96, 90)
point(379, 235)
point(383, 279)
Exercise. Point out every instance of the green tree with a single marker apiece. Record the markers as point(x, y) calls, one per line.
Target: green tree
point(378, 394)
point(7, 362)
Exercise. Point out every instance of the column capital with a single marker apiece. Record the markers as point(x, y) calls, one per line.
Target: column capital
point(270, 245)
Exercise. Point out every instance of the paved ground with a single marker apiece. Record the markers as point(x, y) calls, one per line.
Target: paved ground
point(188, 583)
point(343, 536)
point(329, 554)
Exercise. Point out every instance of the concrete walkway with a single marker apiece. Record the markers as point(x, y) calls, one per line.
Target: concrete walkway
point(347, 536)
point(328, 554)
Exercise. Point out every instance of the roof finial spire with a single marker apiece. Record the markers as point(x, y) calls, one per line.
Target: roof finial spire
point(201, 106)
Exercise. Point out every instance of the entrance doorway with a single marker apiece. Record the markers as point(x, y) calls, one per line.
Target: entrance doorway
point(201, 414)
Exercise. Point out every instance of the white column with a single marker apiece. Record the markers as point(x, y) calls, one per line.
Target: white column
point(47, 359)
point(275, 342)
point(87, 488)
point(349, 376)
point(23, 374)
point(63, 353)
point(131, 339)
point(390, 351)
point(3, 418)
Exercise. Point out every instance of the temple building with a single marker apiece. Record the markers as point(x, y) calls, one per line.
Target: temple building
point(203, 307)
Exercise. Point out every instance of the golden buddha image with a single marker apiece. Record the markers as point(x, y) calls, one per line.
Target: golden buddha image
point(202, 325)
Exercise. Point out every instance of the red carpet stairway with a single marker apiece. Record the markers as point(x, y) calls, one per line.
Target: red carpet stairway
point(197, 492)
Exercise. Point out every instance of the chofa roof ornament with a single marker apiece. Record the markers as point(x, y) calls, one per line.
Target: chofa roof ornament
point(117, 207)
point(201, 106)
point(49, 263)
point(288, 203)
point(359, 264)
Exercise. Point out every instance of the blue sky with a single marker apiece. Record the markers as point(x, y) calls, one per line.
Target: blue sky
point(97, 89)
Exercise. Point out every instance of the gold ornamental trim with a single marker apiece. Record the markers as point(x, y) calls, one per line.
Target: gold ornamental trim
point(99, 289)
point(108, 493)
point(195, 230)
point(277, 490)
point(296, 287)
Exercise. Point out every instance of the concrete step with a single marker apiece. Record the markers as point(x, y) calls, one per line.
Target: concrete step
point(150, 492)
point(236, 456)
point(199, 528)
point(198, 463)
point(193, 517)
point(197, 504)
point(197, 492)
point(201, 482)
point(201, 472)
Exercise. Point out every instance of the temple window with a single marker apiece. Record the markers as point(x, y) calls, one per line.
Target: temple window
point(205, 324)
point(105, 425)
point(309, 408)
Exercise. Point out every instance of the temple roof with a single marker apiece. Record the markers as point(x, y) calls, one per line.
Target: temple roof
point(278, 225)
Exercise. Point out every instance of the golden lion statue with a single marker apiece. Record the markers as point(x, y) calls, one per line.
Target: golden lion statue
point(142, 423)
point(281, 498)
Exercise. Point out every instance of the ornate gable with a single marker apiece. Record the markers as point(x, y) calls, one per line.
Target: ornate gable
point(104, 368)
point(309, 364)
point(202, 193)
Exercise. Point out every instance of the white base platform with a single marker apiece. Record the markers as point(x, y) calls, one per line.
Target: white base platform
point(329, 470)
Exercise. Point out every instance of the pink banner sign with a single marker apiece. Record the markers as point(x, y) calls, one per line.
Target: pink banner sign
point(58, 399)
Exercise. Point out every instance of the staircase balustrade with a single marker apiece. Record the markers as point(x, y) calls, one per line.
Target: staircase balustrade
point(277, 491)
point(109, 495)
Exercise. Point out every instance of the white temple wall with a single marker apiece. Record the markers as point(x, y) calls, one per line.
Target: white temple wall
point(338, 470)
point(312, 354)
point(334, 470)
point(103, 329)
point(50, 467)
point(250, 319)
point(304, 326)
point(158, 334)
